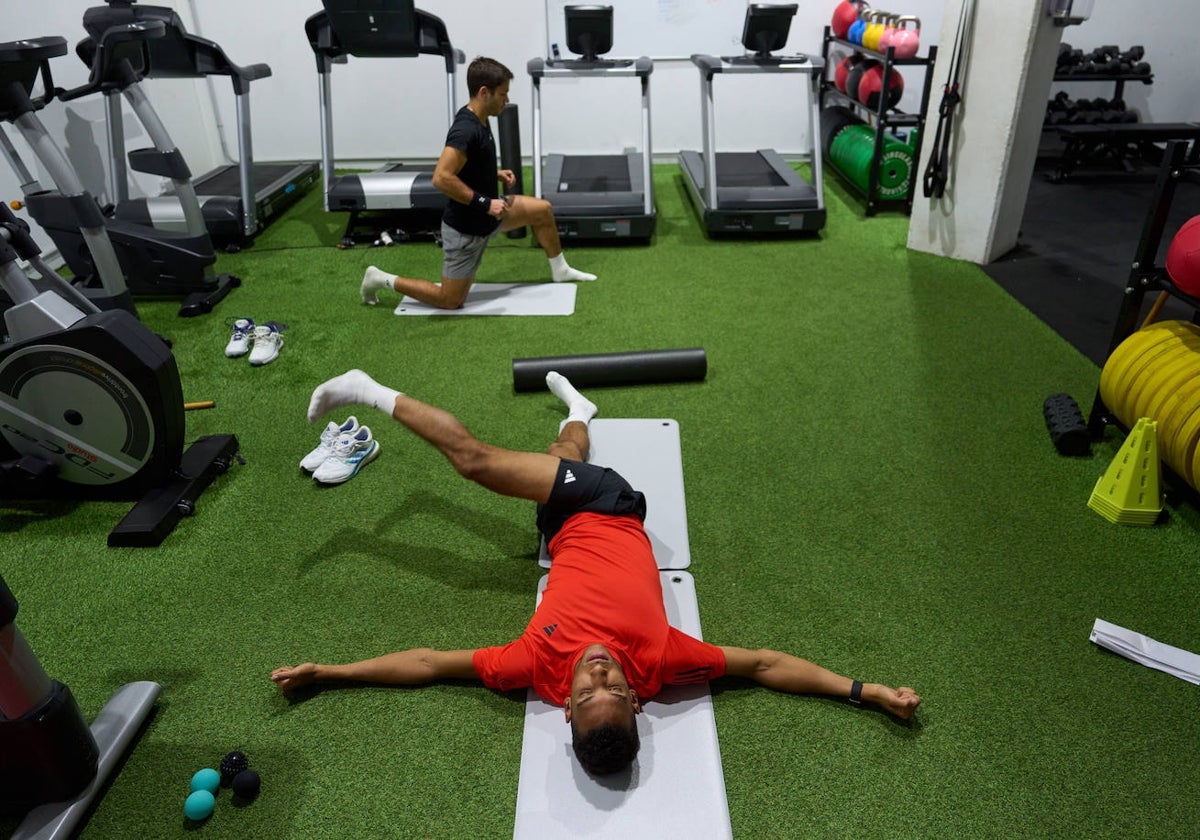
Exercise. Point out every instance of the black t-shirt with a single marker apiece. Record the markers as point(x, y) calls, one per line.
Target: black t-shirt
point(474, 139)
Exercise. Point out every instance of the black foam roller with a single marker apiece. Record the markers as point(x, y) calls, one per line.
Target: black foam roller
point(1066, 425)
point(833, 119)
point(630, 368)
point(510, 155)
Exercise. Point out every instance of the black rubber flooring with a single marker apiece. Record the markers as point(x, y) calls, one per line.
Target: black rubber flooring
point(1077, 243)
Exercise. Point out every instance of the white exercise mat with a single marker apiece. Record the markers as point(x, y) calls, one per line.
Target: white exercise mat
point(648, 455)
point(503, 299)
point(675, 788)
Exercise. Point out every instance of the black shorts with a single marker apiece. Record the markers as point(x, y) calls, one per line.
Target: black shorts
point(587, 488)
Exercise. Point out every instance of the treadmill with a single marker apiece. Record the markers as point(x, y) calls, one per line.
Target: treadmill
point(237, 200)
point(403, 193)
point(756, 193)
point(595, 197)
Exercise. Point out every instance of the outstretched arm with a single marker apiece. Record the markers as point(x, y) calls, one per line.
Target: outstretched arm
point(406, 667)
point(784, 672)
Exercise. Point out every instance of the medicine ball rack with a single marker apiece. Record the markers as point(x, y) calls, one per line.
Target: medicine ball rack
point(883, 119)
point(1144, 275)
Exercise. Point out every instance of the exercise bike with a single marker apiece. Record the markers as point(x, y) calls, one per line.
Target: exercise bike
point(52, 765)
point(154, 262)
point(91, 404)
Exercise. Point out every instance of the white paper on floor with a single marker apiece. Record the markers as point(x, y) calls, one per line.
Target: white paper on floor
point(1132, 645)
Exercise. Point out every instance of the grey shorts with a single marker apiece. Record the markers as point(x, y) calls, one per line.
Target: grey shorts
point(462, 253)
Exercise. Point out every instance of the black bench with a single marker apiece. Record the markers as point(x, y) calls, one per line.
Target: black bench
point(1120, 141)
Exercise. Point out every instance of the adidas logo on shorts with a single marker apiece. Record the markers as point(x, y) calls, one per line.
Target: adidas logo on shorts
point(569, 477)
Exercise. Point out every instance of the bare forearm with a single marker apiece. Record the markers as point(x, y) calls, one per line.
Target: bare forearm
point(784, 672)
point(405, 667)
point(453, 187)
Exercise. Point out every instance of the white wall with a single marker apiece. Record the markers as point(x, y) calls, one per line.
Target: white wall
point(397, 108)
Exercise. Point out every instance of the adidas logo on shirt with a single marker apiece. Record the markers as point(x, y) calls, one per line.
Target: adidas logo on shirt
point(569, 477)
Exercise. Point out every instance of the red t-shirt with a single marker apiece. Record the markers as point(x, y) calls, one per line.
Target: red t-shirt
point(603, 589)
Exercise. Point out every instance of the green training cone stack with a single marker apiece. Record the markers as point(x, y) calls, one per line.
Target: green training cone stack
point(1130, 491)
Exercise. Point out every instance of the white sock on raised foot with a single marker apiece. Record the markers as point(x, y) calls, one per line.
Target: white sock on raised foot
point(562, 273)
point(373, 281)
point(579, 407)
point(351, 388)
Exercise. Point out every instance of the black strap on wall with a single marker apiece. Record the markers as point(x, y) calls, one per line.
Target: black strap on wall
point(937, 170)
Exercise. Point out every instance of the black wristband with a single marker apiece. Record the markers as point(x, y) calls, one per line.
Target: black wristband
point(856, 693)
point(481, 202)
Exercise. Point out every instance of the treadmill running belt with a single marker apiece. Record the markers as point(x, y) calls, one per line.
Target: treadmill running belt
point(745, 169)
point(594, 173)
point(227, 181)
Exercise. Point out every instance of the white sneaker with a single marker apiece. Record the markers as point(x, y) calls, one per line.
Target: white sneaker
point(239, 341)
point(267, 342)
point(324, 449)
point(350, 454)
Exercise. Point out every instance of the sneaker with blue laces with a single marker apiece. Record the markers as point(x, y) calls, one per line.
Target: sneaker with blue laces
point(333, 431)
point(239, 340)
point(351, 452)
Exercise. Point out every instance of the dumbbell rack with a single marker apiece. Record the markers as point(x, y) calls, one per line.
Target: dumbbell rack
point(1117, 80)
point(882, 119)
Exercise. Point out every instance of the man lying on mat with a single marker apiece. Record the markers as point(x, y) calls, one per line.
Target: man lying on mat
point(599, 643)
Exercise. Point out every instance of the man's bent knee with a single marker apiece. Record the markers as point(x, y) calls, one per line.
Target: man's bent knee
point(470, 459)
point(567, 450)
point(454, 293)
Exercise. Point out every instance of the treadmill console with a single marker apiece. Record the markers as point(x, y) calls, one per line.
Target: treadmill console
point(767, 26)
point(589, 30)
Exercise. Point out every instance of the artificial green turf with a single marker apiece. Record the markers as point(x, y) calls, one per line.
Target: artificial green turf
point(869, 485)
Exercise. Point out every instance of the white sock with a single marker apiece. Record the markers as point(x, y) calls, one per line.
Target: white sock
point(561, 272)
point(351, 388)
point(579, 408)
point(373, 281)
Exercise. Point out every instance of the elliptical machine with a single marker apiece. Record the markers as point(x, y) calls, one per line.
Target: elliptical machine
point(237, 200)
point(90, 399)
point(102, 280)
point(155, 262)
point(51, 764)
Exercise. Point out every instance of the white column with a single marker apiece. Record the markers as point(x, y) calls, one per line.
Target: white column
point(996, 132)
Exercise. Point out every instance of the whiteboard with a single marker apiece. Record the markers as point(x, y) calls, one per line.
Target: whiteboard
point(660, 28)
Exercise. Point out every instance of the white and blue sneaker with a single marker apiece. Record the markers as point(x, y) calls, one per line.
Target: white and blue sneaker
point(333, 431)
point(267, 343)
point(351, 452)
point(239, 340)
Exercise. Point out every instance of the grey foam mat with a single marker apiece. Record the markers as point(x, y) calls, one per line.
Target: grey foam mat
point(647, 452)
point(675, 788)
point(503, 299)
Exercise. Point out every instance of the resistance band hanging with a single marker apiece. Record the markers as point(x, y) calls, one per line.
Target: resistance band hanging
point(938, 168)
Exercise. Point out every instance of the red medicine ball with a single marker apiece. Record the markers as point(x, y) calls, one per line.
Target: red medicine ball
point(857, 73)
point(842, 72)
point(1183, 258)
point(872, 83)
